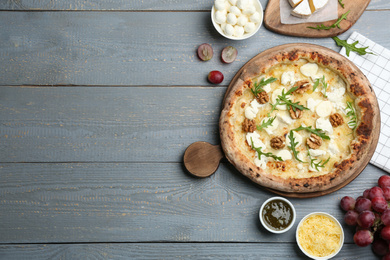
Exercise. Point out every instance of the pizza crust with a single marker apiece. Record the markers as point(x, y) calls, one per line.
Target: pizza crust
point(357, 85)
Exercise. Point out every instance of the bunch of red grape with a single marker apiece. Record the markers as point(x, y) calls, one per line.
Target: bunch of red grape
point(370, 214)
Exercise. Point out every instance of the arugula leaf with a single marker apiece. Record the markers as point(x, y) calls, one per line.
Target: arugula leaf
point(351, 47)
point(351, 113)
point(260, 153)
point(341, 3)
point(316, 83)
point(258, 86)
point(284, 100)
point(266, 123)
point(323, 84)
point(293, 145)
point(319, 164)
point(336, 24)
point(321, 133)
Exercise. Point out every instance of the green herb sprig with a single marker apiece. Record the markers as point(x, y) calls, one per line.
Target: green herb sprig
point(323, 84)
point(316, 131)
point(351, 47)
point(336, 24)
point(317, 165)
point(284, 100)
point(258, 86)
point(351, 113)
point(266, 123)
point(293, 146)
point(341, 3)
point(260, 153)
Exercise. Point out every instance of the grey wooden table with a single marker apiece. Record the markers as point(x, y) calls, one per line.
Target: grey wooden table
point(98, 101)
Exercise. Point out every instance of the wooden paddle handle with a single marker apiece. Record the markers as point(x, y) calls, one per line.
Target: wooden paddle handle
point(202, 159)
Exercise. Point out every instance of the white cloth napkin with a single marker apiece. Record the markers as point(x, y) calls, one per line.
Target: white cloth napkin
point(377, 70)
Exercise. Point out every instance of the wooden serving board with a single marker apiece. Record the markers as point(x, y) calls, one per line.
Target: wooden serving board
point(262, 57)
point(273, 23)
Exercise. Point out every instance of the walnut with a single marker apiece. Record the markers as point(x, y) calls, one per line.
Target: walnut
point(303, 86)
point(277, 142)
point(314, 141)
point(262, 97)
point(336, 120)
point(295, 114)
point(248, 125)
point(281, 166)
point(249, 83)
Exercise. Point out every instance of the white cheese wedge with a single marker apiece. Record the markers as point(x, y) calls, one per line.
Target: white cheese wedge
point(324, 108)
point(287, 78)
point(316, 152)
point(297, 139)
point(333, 148)
point(312, 103)
point(275, 94)
point(284, 154)
point(316, 5)
point(285, 117)
point(294, 3)
point(302, 10)
point(309, 69)
point(255, 137)
point(325, 125)
point(272, 127)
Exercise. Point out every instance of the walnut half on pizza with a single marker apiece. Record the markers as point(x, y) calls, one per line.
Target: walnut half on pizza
point(299, 119)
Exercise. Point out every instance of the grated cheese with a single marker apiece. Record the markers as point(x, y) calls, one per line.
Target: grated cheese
point(319, 236)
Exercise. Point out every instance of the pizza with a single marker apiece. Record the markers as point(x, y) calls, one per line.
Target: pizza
point(299, 119)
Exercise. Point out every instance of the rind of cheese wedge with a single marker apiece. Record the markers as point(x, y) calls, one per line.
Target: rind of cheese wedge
point(302, 10)
point(309, 69)
point(294, 3)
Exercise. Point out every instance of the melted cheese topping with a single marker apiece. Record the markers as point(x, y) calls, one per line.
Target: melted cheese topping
point(319, 236)
point(337, 148)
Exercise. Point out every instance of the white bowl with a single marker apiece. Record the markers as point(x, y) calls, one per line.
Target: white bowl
point(341, 239)
point(273, 230)
point(259, 9)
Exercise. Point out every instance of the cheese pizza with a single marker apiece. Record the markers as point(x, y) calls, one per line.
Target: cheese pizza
point(299, 120)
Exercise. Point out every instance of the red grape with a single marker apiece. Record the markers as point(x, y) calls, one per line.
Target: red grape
point(380, 247)
point(375, 192)
point(386, 217)
point(366, 219)
point(347, 203)
point(386, 192)
point(363, 237)
point(362, 204)
point(384, 181)
point(385, 233)
point(350, 218)
point(229, 54)
point(379, 204)
point(205, 52)
point(365, 193)
point(215, 77)
point(386, 257)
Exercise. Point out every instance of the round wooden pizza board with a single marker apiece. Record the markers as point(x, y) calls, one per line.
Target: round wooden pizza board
point(202, 159)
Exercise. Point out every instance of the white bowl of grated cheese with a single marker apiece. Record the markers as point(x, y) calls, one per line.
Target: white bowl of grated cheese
point(320, 236)
point(237, 19)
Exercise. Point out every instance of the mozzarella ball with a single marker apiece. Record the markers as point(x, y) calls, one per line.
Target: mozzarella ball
point(255, 18)
point(234, 10)
point(220, 17)
point(231, 19)
point(229, 30)
point(242, 20)
point(238, 31)
point(249, 10)
point(220, 5)
point(249, 27)
point(233, 2)
point(223, 26)
point(242, 4)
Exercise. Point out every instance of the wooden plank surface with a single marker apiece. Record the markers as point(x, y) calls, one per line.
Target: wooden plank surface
point(110, 48)
point(172, 5)
point(197, 251)
point(138, 202)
